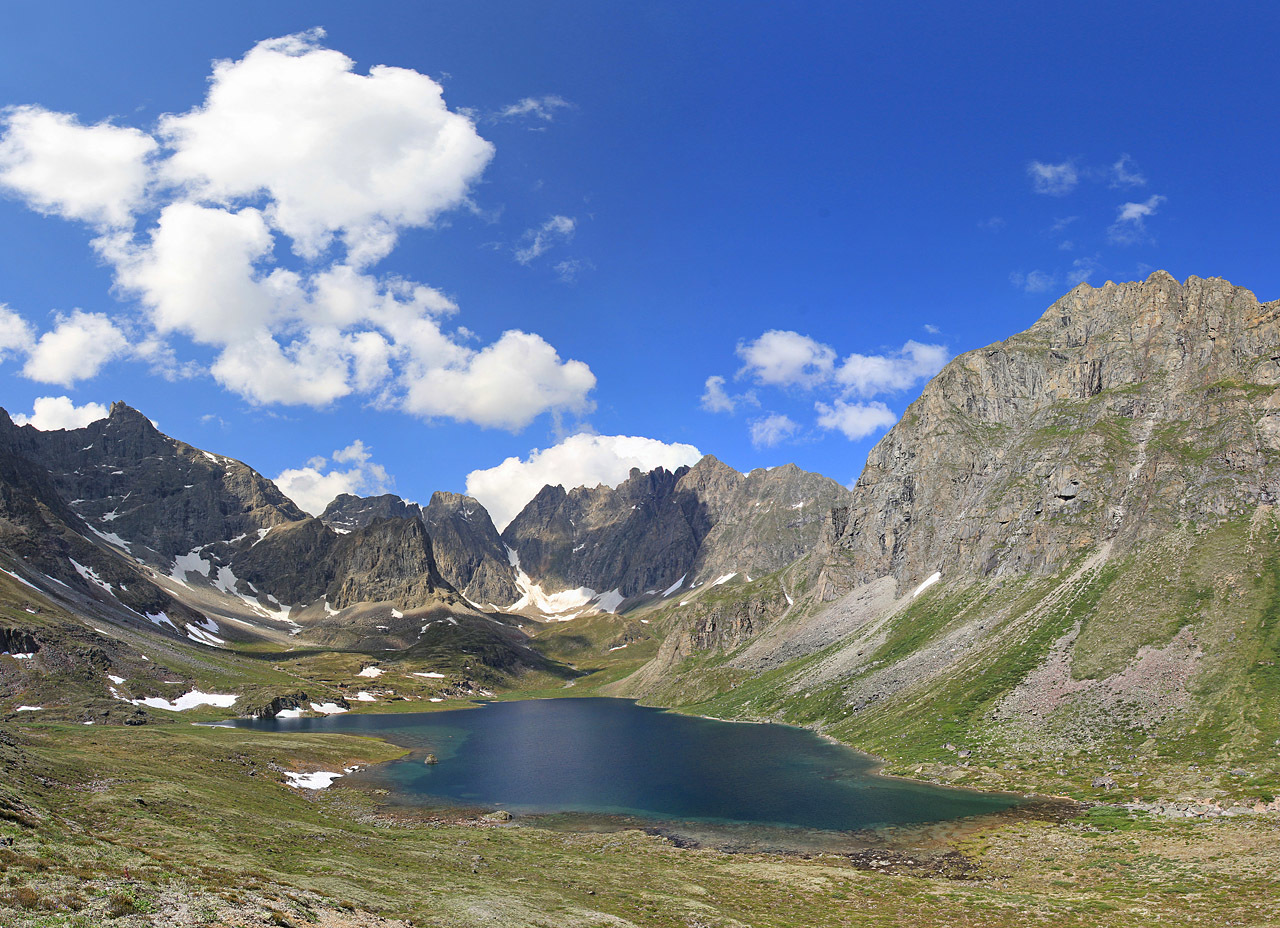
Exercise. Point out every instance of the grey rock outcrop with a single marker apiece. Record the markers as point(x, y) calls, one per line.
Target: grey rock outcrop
point(698, 523)
point(1125, 410)
point(388, 560)
point(127, 479)
point(347, 513)
point(641, 536)
point(468, 550)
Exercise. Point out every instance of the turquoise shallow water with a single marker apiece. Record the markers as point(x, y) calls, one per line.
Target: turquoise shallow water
point(612, 757)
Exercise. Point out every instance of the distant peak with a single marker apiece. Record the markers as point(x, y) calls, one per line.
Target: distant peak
point(123, 412)
point(709, 462)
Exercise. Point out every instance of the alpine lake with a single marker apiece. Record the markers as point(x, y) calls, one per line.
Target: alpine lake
point(605, 764)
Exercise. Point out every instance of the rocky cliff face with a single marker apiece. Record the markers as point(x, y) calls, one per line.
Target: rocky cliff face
point(347, 513)
point(45, 538)
point(639, 537)
point(388, 560)
point(1124, 411)
point(761, 521)
point(699, 523)
point(126, 479)
point(468, 550)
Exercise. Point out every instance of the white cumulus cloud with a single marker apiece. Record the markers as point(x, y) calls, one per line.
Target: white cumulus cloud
point(51, 413)
point(855, 420)
point(334, 151)
point(783, 358)
point(1130, 226)
point(316, 485)
point(97, 174)
point(16, 333)
point(579, 460)
point(291, 146)
point(504, 385)
point(786, 359)
point(868, 375)
point(715, 398)
point(75, 349)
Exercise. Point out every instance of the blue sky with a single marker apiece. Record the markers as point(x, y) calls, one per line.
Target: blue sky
point(644, 191)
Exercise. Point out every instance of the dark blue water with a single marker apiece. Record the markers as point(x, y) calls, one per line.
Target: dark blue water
point(613, 757)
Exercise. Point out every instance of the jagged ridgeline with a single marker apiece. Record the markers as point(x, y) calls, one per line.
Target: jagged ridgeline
point(121, 525)
point(1068, 543)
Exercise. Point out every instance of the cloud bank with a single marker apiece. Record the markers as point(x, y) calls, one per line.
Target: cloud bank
point(291, 147)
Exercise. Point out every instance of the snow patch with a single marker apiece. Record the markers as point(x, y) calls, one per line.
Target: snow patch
point(30, 708)
point(327, 708)
point(189, 563)
point(200, 636)
point(362, 696)
point(432, 674)
point(159, 618)
point(932, 579)
point(22, 656)
point(321, 779)
point(110, 538)
point(91, 575)
point(610, 601)
point(289, 714)
point(371, 672)
point(20, 580)
point(114, 679)
point(725, 579)
point(397, 614)
point(675, 586)
point(188, 701)
point(226, 582)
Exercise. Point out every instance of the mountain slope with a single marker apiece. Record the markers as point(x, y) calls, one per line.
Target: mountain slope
point(1067, 546)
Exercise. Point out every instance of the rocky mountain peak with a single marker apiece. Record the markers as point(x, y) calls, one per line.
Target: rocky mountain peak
point(348, 513)
point(1125, 409)
point(468, 550)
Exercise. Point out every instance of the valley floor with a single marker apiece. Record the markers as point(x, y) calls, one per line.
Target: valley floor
point(180, 825)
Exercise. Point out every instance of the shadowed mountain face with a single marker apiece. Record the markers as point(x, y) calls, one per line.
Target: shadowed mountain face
point(699, 523)
point(468, 549)
point(347, 513)
point(639, 537)
point(125, 478)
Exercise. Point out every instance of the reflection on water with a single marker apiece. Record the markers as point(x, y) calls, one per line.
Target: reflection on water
point(606, 763)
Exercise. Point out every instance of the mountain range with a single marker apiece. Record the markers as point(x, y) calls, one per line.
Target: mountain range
point(1066, 545)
